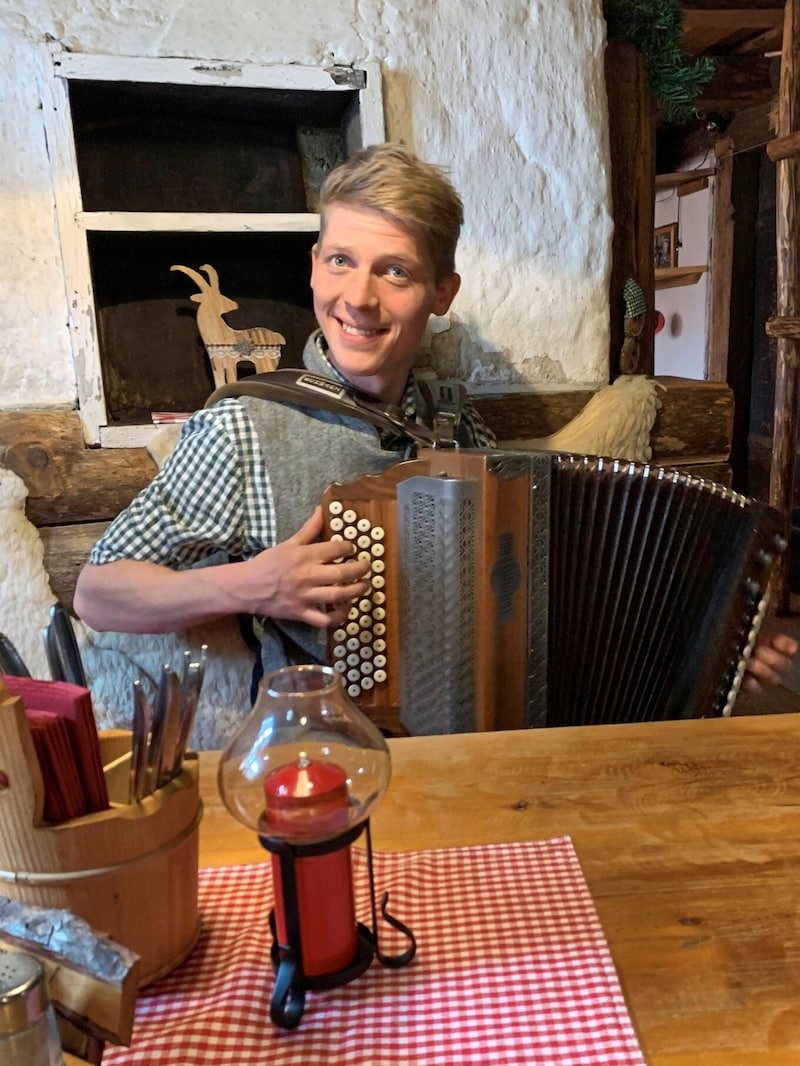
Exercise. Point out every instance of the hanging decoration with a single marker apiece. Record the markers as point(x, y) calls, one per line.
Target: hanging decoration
point(655, 28)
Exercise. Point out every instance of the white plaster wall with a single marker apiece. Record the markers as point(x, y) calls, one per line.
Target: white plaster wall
point(508, 95)
point(681, 346)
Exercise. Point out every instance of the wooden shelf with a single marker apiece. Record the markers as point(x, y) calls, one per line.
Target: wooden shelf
point(671, 277)
point(682, 177)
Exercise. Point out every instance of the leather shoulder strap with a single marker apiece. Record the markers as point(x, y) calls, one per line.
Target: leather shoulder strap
point(446, 399)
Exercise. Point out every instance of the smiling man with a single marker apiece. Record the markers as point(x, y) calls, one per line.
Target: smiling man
point(247, 473)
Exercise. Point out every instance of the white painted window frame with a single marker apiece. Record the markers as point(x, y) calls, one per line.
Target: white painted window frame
point(74, 224)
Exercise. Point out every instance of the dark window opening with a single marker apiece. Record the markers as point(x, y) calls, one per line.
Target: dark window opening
point(153, 358)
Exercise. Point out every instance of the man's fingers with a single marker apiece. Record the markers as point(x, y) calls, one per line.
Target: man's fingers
point(783, 643)
point(310, 530)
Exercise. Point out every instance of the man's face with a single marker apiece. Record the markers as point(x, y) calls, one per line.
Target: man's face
point(374, 289)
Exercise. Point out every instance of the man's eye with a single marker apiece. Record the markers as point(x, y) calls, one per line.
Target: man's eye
point(398, 272)
point(338, 260)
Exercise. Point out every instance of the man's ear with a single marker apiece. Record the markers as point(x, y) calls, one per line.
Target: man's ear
point(446, 292)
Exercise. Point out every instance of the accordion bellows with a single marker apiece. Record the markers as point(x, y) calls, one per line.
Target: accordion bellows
point(514, 589)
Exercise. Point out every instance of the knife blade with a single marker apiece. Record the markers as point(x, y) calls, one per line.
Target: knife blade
point(10, 659)
point(51, 651)
point(171, 729)
point(62, 635)
point(192, 684)
point(142, 725)
point(157, 731)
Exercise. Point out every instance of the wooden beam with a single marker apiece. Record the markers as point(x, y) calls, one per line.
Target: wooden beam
point(674, 277)
point(782, 327)
point(738, 82)
point(631, 115)
point(726, 6)
point(784, 147)
point(787, 375)
point(678, 178)
point(692, 187)
point(693, 425)
point(721, 265)
point(723, 20)
point(770, 41)
point(68, 482)
point(66, 549)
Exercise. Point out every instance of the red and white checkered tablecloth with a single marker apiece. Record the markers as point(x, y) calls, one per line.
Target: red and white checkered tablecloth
point(512, 967)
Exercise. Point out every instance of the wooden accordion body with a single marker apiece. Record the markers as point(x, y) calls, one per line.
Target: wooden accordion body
point(514, 589)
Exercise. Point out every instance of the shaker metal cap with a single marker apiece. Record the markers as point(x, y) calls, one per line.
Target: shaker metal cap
point(23, 996)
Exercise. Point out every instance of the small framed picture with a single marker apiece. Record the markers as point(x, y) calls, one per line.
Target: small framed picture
point(665, 245)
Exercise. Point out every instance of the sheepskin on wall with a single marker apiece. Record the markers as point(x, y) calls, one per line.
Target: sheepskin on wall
point(112, 661)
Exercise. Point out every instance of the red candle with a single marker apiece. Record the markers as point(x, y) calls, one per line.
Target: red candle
point(309, 799)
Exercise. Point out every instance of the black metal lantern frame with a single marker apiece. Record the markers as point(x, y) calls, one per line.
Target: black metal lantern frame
point(291, 984)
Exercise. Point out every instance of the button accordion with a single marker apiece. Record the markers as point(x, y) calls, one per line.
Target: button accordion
point(513, 589)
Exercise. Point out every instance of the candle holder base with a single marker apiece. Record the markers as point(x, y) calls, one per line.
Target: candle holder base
point(291, 983)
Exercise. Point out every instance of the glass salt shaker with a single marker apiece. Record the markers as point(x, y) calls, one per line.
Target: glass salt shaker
point(28, 1031)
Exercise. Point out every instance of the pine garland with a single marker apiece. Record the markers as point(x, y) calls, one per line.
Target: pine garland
point(655, 28)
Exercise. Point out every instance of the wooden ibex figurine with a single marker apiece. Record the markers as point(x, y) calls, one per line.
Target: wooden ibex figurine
point(226, 346)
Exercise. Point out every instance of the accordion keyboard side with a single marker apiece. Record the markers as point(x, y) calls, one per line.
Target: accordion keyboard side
point(365, 651)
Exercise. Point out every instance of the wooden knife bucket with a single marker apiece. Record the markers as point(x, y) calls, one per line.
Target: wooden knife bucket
point(130, 871)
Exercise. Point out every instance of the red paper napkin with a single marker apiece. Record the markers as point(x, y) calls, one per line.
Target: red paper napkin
point(74, 705)
point(512, 968)
point(63, 795)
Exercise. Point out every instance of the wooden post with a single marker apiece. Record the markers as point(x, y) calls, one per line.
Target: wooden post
point(721, 264)
point(631, 120)
point(784, 445)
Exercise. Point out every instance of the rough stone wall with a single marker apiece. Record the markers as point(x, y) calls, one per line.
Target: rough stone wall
point(509, 96)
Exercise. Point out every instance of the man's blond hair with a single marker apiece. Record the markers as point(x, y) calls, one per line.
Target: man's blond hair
point(391, 179)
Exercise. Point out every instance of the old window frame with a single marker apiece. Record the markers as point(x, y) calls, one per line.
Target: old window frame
point(57, 67)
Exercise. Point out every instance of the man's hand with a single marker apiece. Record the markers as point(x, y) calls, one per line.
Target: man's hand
point(301, 578)
point(770, 662)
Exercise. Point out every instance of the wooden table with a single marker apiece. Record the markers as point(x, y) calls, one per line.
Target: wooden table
point(689, 837)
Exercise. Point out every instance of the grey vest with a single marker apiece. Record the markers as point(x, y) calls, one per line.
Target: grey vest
point(305, 450)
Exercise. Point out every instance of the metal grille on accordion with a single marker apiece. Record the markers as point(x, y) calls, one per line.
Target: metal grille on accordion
point(529, 588)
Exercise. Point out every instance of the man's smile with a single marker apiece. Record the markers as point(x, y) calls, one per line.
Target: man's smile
point(361, 331)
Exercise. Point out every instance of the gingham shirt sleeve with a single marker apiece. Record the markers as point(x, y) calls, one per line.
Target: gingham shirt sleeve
point(213, 494)
point(480, 434)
